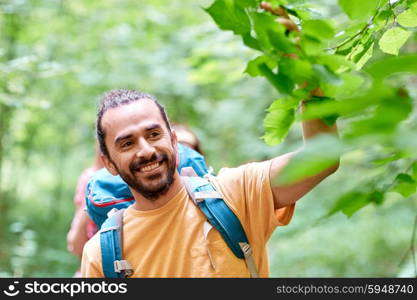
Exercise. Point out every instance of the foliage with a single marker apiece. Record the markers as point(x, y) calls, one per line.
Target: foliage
point(364, 90)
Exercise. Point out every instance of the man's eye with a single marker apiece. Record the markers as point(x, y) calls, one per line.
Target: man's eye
point(154, 134)
point(126, 144)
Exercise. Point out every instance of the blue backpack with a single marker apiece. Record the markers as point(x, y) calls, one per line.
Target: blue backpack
point(107, 196)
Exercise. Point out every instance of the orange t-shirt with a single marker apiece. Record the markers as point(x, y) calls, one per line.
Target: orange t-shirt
point(170, 242)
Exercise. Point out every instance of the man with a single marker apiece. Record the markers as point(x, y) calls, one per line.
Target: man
point(163, 230)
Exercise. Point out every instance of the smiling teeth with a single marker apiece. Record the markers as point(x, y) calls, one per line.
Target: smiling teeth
point(150, 167)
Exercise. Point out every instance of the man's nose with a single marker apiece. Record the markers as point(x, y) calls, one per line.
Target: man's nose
point(146, 150)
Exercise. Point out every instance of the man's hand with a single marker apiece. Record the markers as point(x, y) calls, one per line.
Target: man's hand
point(283, 17)
point(287, 195)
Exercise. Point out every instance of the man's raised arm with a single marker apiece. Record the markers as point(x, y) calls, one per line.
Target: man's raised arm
point(285, 195)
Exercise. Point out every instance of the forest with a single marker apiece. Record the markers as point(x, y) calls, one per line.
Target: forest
point(233, 72)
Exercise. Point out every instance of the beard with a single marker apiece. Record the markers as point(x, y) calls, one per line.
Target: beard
point(159, 184)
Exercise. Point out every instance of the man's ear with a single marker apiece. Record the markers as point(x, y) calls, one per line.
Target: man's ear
point(174, 138)
point(109, 165)
point(175, 146)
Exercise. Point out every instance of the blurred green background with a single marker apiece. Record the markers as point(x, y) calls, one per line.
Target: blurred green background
point(57, 57)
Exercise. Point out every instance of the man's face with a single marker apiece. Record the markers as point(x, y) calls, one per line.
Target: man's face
point(141, 149)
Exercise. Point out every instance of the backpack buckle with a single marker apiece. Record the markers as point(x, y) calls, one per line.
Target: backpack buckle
point(112, 212)
point(123, 266)
point(250, 262)
point(246, 248)
point(200, 196)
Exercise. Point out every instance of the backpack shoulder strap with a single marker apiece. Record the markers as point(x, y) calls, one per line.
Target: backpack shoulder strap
point(219, 215)
point(111, 243)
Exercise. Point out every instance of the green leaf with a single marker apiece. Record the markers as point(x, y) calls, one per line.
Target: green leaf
point(383, 18)
point(276, 3)
point(311, 46)
point(347, 106)
point(407, 18)
point(251, 42)
point(252, 67)
point(328, 120)
point(404, 185)
point(359, 9)
point(393, 39)
point(302, 13)
point(319, 154)
point(352, 84)
point(228, 15)
point(247, 3)
point(281, 42)
point(336, 63)
point(278, 120)
point(365, 56)
point(270, 34)
point(377, 197)
point(353, 28)
point(356, 199)
point(320, 29)
point(386, 160)
point(281, 82)
point(384, 120)
point(297, 69)
point(360, 50)
point(350, 203)
point(388, 66)
point(324, 74)
point(414, 170)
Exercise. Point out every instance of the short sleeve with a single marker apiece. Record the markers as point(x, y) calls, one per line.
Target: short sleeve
point(248, 192)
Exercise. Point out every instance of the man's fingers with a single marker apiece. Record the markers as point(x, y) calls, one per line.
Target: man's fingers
point(279, 11)
point(284, 19)
point(317, 92)
point(288, 23)
point(291, 55)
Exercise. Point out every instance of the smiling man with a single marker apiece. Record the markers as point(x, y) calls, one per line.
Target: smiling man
point(143, 149)
point(163, 231)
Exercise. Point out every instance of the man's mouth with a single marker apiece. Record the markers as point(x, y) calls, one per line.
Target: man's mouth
point(150, 167)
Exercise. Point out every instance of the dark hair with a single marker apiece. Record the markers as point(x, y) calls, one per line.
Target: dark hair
point(116, 98)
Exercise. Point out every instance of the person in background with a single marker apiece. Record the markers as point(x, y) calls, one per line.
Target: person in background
point(187, 137)
point(82, 227)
